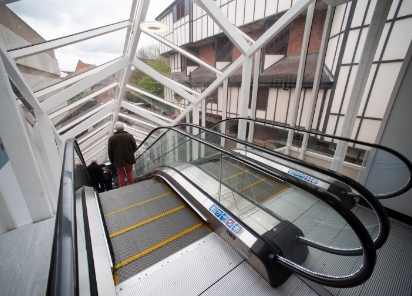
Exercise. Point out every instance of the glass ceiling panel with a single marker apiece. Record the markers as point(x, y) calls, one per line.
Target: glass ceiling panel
point(55, 19)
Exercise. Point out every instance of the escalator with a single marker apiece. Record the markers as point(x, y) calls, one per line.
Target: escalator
point(202, 219)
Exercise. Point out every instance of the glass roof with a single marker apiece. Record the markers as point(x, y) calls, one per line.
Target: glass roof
point(75, 60)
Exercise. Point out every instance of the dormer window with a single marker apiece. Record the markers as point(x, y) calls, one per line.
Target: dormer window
point(180, 10)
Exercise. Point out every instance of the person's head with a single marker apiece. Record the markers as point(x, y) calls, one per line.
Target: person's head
point(94, 160)
point(77, 164)
point(118, 126)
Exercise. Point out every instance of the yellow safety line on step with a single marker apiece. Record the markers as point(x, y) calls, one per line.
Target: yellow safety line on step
point(115, 278)
point(273, 195)
point(138, 204)
point(145, 221)
point(242, 172)
point(155, 247)
point(254, 183)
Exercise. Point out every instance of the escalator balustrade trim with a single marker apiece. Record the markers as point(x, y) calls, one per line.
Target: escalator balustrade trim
point(138, 204)
point(157, 246)
point(146, 221)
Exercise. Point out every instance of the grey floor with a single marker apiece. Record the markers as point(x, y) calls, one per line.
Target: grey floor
point(25, 259)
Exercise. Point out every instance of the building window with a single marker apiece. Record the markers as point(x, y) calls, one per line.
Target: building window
point(261, 99)
point(180, 10)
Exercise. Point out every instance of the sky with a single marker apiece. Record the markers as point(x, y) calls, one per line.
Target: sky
point(57, 18)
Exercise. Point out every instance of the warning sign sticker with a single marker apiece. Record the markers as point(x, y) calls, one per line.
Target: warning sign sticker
point(226, 219)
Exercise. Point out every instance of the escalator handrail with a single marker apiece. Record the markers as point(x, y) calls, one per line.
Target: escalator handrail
point(368, 249)
point(405, 160)
point(64, 272)
point(382, 215)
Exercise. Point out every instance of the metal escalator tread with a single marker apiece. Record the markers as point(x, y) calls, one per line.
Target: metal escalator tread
point(122, 201)
point(150, 229)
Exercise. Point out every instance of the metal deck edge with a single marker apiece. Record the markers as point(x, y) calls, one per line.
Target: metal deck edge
point(152, 269)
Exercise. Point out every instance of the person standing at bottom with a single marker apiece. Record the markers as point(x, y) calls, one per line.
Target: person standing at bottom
point(122, 147)
point(96, 174)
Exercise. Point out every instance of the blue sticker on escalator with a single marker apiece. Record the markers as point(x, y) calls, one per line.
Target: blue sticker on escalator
point(304, 177)
point(226, 219)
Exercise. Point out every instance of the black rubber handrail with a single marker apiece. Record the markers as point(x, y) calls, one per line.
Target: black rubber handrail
point(406, 161)
point(64, 273)
point(368, 249)
point(381, 214)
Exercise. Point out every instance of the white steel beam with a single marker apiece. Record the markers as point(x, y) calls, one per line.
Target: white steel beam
point(61, 85)
point(135, 132)
point(106, 125)
point(137, 120)
point(85, 99)
point(222, 21)
point(129, 32)
point(215, 84)
point(183, 52)
point(318, 74)
point(80, 119)
point(47, 136)
point(279, 25)
point(301, 72)
point(373, 36)
point(189, 90)
point(145, 113)
point(89, 122)
point(64, 41)
point(95, 150)
point(153, 97)
point(77, 88)
point(95, 137)
point(95, 144)
point(131, 51)
point(22, 157)
point(99, 154)
point(162, 79)
point(224, 111)
point(256, 72)
point(244, 97)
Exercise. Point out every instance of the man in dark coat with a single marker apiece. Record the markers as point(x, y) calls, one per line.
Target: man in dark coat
point(96, 174)
point(122, 147)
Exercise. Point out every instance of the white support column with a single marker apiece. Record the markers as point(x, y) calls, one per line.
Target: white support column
point(256, 72)
point(244, 96)
point(301, 72)
point(195, 131)
point(47, 138)
point(131, 51)
point(318, 74)
point(188, 152)
point(21, 155)
point(224, 111)
point(202, 148)
point(373, 36)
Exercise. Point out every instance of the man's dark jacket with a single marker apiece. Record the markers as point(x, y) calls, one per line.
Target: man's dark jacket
point(95, 172)
point(122, 147)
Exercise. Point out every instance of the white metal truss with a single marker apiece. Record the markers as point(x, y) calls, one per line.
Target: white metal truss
point(91, 134)
point(153, 97)
point(183, 52)
point(135, 132)
point(81, 118)
point(89, 122)
point(85, 99)
point(72, 80)
point(64, 41)
point(137, 120)
point(86, 83)
point(95, 137)
point(94, 151)
point(96, 144)
point(161, 120)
